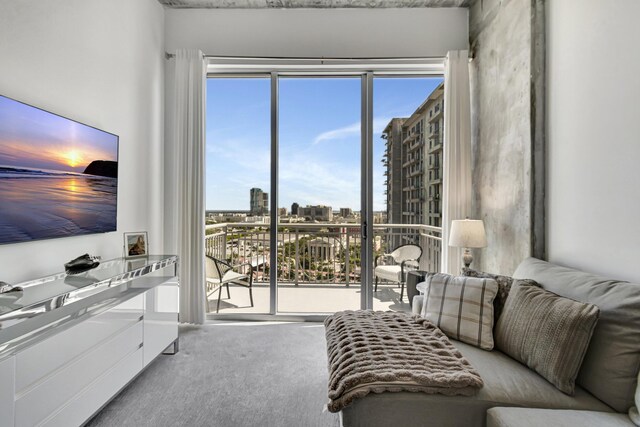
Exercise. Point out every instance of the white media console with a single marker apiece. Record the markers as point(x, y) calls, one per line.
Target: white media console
point(70, 343)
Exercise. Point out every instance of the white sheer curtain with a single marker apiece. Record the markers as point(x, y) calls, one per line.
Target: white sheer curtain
point(456, 202)
point(189, 140)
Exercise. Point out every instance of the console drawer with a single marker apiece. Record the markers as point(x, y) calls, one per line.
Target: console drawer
point(83, 406)
point(40, 360)
point(56, 390)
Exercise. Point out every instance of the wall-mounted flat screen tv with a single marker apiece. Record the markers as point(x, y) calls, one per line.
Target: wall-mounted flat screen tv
point(58, 177)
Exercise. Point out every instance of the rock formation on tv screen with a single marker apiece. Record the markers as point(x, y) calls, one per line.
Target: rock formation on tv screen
point(105, 168)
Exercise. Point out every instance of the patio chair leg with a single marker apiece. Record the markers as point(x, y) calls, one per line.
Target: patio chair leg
point(401, 291)
point(228, 294)
point(376, 287)
point(251, 296)
point(219, 298)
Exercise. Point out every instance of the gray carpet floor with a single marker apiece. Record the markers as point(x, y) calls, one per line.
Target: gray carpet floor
point(231, 374)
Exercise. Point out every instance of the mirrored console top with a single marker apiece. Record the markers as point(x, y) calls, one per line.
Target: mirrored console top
point(45, 291)
point(46, 305)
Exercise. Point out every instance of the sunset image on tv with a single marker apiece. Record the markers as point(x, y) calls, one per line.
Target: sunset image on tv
point(58, 177)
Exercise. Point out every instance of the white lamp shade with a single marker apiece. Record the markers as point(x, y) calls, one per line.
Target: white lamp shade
point(467, 233)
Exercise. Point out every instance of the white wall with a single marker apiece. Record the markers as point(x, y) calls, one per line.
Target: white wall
point(318, 32)
point(593, 98)
point(99, 62)
point(306, 33)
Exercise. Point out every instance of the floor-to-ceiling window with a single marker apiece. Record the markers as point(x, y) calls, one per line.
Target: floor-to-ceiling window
point(304, 141)
point(319, 191)
point(238, 167)
point(407, 143)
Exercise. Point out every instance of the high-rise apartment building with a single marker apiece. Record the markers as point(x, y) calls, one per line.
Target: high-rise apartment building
point(413, 168)
point(294, 208)
point(392, 160)
point(435, 164)
point(413, 160)
point(258, 202)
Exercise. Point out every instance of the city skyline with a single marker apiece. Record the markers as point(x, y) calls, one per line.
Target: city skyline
point(319, 140)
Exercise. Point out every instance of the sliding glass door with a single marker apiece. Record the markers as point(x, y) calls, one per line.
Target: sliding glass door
point(407, 174)
point(238, 170)
point(312, 179)
point(319, 188)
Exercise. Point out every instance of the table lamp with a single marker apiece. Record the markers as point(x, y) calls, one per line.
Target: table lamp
point(467, 234)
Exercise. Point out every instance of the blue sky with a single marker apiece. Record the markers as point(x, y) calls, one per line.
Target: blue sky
point(319, 138)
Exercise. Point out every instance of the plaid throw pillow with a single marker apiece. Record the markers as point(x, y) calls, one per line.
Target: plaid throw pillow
point(504, 286)
point(462, 307)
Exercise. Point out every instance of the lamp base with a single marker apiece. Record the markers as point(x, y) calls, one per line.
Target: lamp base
point(467, 258)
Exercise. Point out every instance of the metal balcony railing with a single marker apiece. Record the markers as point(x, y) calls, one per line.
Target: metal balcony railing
point(316, 253)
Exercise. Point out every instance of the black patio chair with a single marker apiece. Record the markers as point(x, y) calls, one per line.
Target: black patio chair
point(221, 274)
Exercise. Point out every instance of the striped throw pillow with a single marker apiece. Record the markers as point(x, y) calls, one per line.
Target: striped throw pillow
point(548, 333)
point(462, 307)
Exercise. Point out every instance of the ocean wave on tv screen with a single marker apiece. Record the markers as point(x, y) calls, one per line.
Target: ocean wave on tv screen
point(23, 172)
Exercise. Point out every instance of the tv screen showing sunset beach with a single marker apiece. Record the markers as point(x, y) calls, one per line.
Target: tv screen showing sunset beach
point(58, 177)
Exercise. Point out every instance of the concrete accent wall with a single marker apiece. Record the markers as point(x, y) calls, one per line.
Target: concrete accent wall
point(506, 131)
point(311, 4)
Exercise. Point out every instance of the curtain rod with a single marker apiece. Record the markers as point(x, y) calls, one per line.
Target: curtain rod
point(315, 58)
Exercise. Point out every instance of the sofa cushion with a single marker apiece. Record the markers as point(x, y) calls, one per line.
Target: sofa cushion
point(504, 286)
point(546, 332)
point(610, 367)
point(633, 412)
point(506, 383)
point(527, 417)
point(510, 383)
point(462, 307)
point(392, 273)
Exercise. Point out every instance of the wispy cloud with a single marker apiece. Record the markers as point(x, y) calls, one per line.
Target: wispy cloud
point(340, 133)
point(354, 129)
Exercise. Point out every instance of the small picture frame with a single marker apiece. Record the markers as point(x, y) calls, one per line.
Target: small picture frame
point(136, 245)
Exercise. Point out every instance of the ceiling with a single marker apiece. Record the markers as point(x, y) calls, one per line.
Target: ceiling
point(320, 4)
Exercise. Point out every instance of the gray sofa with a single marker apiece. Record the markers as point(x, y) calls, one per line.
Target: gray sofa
point(514, 395)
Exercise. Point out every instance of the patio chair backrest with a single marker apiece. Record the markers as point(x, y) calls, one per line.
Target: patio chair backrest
point(214, 268)
point(406, 252)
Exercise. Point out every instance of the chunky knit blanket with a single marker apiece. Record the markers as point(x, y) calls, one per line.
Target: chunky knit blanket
point(374, 352)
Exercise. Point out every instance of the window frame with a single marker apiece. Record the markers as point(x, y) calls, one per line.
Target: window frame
point(367, 70)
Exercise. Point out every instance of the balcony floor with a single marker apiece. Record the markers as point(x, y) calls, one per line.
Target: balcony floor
point(306, 298)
